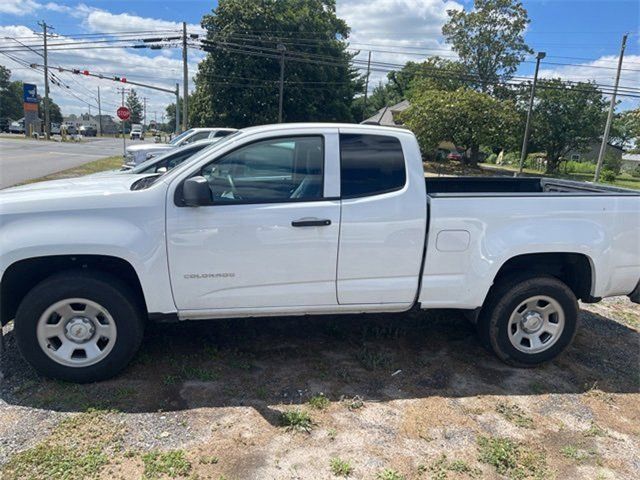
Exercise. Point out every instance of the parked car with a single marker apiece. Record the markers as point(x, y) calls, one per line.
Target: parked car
point(163, 162)
point(88, 131)
point(17, 126)
point(136, 154)
point(137, 132)
point(454, 156)
point(285, 220)
point(55, 129)
point(68, 129)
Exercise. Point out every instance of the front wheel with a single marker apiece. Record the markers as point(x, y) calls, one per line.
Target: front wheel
point(529, 321)
point(79, 327)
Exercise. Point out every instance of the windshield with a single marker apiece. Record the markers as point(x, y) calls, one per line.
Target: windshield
point(180, 137)
point(195, 157)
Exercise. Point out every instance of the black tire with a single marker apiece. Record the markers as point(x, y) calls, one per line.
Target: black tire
point(99, 287)
point(505, 297)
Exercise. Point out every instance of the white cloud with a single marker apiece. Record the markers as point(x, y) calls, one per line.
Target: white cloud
point(102, 21)
point(603, 72)
point(27, 7)
point(375, 26)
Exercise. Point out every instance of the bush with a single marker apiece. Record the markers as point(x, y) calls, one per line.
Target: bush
point(635, 172)
point(608, 175)
point(580, 167)
point(491, 159)
point(511, 158)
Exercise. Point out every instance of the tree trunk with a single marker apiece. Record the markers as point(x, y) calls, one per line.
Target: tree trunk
point(552, 165)
point(474, 157)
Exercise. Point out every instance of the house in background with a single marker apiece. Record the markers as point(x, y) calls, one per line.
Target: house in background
point(388, 116)
point(631, 162)
point(590, 154)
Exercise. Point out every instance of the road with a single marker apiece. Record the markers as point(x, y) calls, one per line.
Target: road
point(22, 160)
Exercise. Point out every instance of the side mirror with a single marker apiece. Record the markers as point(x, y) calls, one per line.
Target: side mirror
point(196, 192)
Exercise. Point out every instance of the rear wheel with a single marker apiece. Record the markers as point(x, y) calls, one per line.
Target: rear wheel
point(529, 321)
point(79, 326)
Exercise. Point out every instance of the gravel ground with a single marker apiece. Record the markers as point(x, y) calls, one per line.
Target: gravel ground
point(406, 396)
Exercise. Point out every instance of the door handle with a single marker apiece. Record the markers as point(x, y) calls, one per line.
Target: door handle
point(311, 223)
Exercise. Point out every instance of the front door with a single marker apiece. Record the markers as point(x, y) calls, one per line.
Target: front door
point(269, 239)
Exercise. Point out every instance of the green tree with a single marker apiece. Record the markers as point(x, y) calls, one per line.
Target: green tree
point(464, 116)
point(566, 118)
point(171, 113)
point(134, 105)
point(625, 130)
point(237, 83)
point(489, 39)
point(55, 114)
point(10, 96)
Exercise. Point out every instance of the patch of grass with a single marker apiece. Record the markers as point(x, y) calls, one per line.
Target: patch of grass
point(332, 434)
point(54, 462)
point(199, 373)
point(297, 420)
point(319, 402)
point(574, 453)
point(173, 464)
point(512, 459)
point(372, 359)
point(389, 474)
point(108, 163)
point(340, 468)
point(206, 460)
point(514, 414)
point(355, 403)
point(595, 431)
point(442, 465)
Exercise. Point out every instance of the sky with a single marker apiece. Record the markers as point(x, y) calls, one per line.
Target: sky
point(581, 39)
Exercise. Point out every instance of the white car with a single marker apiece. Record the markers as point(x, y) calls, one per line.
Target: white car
point(136, 132)
point(302, 219)
point(136, 154)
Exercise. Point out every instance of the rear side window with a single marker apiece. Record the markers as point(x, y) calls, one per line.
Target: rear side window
point(370, 165)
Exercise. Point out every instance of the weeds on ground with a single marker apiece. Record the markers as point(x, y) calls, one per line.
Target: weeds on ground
point(595, 431)
point(296, 420)
point(442, 465)
point(54, 462)
point(372, 359)
point(319, 402)
point(354, 403)
point(206, 460)
point(574, 453)
point(514, 414)
point(172, 464)
point(512, 459)
point(389, 474)
point(340, 468)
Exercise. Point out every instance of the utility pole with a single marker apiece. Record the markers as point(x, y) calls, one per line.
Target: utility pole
point(144, 111)
point(366, 88)
point(282, 49)
point(612, 106)
point(185, 78)
point(47, 125)
point(527, 128)
point(177, 107)
point(124, 137)
point(99, 112)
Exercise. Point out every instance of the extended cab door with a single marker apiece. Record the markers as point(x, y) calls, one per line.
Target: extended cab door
point(270, 238)
point(384, 217)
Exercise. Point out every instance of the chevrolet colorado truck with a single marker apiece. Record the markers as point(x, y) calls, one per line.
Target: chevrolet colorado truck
point(301, 219)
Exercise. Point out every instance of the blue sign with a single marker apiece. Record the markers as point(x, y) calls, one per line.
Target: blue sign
point(30, 93)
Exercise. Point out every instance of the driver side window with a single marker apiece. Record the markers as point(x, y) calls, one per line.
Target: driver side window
point(274, 170)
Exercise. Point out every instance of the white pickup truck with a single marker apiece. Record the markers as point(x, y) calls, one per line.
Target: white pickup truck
point(304, 219)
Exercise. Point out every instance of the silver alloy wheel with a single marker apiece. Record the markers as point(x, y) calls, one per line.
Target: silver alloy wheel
point(76, 332)
point(536, 324)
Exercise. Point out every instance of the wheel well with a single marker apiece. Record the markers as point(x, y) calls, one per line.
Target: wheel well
point(23, 275)
point(574, 269)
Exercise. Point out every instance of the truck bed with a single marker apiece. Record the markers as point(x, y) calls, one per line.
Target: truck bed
point(517, 186)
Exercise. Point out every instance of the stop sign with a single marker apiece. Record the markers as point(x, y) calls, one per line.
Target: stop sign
point(123, 113)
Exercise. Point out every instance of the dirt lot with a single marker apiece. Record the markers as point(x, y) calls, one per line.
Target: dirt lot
point(376, 397)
